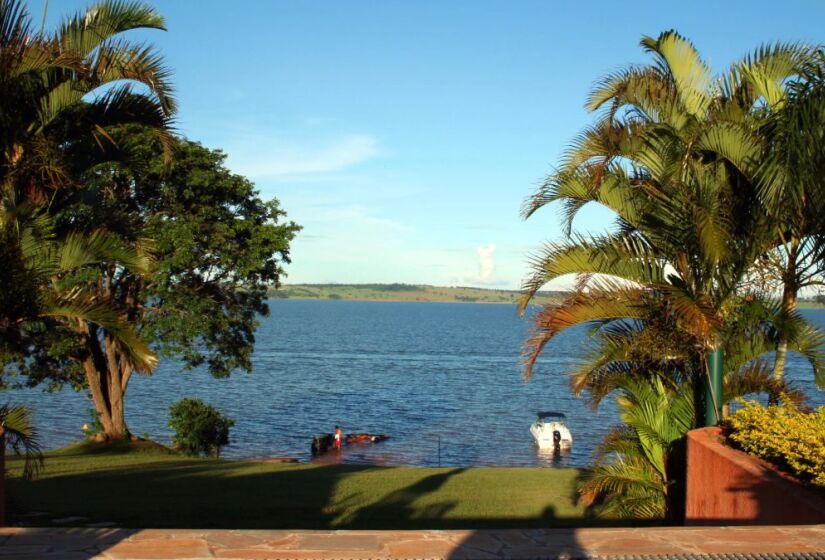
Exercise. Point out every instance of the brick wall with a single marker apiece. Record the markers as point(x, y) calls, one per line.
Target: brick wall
point(728, 487)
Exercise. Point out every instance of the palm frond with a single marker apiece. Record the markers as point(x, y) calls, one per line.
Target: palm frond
point(121, 60)
point(87, 30)
point(624, 257)
point(620, 302)
point(19, 433)
point(691, 76)
point(733, 142)
point(763, 73)
point(627, 488)
point(76, 306)
point(757, 378)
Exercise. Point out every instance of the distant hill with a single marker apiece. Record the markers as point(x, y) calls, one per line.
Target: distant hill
point(406, 292)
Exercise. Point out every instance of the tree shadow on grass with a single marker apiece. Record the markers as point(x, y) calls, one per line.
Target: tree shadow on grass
point(171, 493)
point(237, 495)
point(398, 509)
point(190, 494)
point(551, 536)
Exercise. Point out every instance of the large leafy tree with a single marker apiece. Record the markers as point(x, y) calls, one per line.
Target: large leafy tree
point(217, 247)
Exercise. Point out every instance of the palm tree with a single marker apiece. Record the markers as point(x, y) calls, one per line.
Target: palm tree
point(639, 464)
point(17, 431)
point(673, 156)
point(64, 96)
point(62, 92)
point(792, 189)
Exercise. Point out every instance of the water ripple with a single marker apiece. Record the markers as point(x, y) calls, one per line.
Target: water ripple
point(429, 375)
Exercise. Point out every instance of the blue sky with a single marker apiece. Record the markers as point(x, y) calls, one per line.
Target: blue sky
point(404, 136)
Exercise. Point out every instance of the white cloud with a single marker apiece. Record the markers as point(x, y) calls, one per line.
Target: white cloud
point(486, 264)
point(259, 156)
point(485, 274)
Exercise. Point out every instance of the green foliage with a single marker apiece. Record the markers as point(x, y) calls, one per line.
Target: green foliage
point(673, 155)
point(199, 428)
point(639, 467)
point(217, 246)
point(38, 306)
point(786, 435)
point(94, 425)
point(677, 155)
point(20, 434)
point(62, 92)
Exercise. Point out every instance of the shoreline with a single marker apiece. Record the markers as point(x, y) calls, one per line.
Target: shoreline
point(374, 300)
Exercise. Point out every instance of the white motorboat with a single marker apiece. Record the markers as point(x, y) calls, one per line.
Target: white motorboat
point(550, 431)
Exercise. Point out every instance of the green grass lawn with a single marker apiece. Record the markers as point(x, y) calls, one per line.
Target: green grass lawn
point(146, 486)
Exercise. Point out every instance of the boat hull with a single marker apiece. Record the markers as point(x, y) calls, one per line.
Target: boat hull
point(544, 437)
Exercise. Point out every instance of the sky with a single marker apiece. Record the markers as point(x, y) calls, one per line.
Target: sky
point(405, 136)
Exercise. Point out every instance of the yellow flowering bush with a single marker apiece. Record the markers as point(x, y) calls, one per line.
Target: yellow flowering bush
point(791, 439)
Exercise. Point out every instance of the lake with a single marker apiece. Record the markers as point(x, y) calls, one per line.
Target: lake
point(442, 380)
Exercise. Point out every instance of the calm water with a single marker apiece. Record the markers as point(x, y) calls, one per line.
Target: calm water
point(423, 373)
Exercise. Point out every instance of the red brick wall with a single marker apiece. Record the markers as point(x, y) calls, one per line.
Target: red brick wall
point(727, 486)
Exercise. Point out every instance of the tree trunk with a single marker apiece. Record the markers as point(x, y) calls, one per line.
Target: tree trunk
point(789, 289)
point(107, 375)
point(788, 307)
point(714, 386)
point(2, 477)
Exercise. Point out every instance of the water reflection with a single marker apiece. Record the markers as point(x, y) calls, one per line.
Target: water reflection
point(553, 457)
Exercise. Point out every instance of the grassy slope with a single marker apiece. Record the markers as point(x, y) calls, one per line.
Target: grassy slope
point(406, 292)
point(151, 488)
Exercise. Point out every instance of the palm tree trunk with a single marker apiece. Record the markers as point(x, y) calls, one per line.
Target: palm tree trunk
point(789, 290)
point(714, 397)
point(789, 297)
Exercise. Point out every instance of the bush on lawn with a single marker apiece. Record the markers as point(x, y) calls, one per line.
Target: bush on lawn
point(199, 428)
point(792, 439)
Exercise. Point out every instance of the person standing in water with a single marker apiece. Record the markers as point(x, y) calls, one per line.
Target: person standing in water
point(339, 437)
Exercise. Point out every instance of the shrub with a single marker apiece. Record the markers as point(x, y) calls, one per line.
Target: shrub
point(199, 428)
point(93, 427)
point(784, 435)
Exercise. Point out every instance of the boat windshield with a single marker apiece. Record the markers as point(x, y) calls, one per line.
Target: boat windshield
point(550, 416)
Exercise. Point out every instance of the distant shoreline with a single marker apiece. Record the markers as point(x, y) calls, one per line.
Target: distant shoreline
point(403, 293)
point(422, 293)
point(396, 300)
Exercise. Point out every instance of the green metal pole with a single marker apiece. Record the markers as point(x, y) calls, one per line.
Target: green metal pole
point(713, 390)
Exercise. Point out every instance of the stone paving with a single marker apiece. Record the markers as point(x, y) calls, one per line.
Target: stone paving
point(121, 544)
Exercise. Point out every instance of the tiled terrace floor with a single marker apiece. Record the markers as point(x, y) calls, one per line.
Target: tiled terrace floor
point(731, 542)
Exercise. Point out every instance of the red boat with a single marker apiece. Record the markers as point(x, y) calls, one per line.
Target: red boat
point(324, 442)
